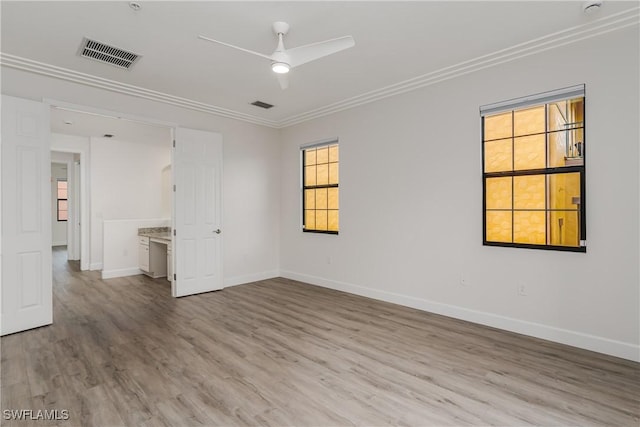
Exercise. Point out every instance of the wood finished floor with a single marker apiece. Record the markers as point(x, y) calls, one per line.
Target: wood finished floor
point(282, 353)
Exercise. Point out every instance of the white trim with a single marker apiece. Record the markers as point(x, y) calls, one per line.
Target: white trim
point(624, 19)
point(94, 266)
point(621, 349)
point(122, 272)
point(58, 243)
point(249, 278)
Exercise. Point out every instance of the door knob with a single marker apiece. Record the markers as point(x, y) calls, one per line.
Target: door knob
point(218, 231)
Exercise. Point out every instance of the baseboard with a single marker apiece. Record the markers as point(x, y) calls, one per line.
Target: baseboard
point(123, 272)
point(95, 266)
point(248, 278)
point(573, 338)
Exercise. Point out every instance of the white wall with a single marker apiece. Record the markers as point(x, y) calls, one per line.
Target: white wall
point(58, 228)
point(126, 183)
point(411, 203)
point(251, 168)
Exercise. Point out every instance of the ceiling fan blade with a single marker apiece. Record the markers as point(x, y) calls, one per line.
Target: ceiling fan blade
point(283, 79)
point(303, 54)
point(234, 47)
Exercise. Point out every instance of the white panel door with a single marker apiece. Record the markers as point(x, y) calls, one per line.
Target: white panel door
point(197, 219)
point(26, 216)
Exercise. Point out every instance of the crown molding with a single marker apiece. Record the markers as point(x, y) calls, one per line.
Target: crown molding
point(596, 27)
point(571, 35)
point(17, 62)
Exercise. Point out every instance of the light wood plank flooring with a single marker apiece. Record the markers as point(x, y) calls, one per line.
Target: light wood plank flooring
point(283, 353)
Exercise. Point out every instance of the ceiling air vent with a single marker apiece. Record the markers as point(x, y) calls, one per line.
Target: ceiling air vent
point(262, 104)
point(108, 54)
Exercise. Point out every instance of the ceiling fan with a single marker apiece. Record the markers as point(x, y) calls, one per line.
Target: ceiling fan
point(282, 60)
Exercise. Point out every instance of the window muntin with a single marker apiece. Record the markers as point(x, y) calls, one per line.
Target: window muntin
point(320, 177)
point(533, 168)
point(62, 202)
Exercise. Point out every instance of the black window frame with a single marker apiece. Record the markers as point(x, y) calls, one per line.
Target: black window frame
point(547, 171)
point(315, 187)
point(58, 200)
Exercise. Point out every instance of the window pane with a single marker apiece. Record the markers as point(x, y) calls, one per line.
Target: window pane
point(498, 193)
point(323, 174)
point(529, 192)
point(498, 155)
point(531, 120)
point(62, 216)
point(566, 114)
point(498, 126)
point(564, 228)
point(564, 191)
point(333, 173)
point(321, 198)
point(321, 220)
point(310, 175)
point(62, 193)
point(529, 227)
point(333, 220)
point(333, 198)
point(310, 157)
point(529, 152)
point(310, 219)
point(333, 153)
point(62, 184)
point(566, 148)
point(323, 155)
point(310, 199)
point(62, 205)
point(498, 226)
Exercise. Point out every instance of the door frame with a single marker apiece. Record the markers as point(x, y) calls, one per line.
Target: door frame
point(85, 209)
point(84, 204)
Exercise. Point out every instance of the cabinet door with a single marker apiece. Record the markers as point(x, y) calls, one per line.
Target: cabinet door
point(143, 257)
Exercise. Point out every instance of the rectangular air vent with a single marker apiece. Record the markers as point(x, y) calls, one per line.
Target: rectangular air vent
point(108, 54)
point(262, 104)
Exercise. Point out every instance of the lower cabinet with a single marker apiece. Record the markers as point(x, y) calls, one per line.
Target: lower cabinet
point(143, 253)
point(152, 256)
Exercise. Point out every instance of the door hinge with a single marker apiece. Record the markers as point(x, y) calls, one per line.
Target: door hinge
point(174, 188)
point(174, 277)
point(174, 231)
point(174, 143)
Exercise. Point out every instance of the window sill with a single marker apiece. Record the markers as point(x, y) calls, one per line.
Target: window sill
point(582, 249)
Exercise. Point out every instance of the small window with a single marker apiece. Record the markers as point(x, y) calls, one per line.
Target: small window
point(320, 189)
point(63, 206)
point(534, 171)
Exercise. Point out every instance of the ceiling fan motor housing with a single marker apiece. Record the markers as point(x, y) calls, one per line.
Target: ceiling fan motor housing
point(280, 27)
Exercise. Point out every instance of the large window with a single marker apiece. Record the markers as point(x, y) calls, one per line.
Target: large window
point(534, 173)
point(62, 206)
point(320, 189)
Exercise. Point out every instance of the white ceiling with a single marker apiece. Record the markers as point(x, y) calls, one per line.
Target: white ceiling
point(395, 41)
point(78, 123)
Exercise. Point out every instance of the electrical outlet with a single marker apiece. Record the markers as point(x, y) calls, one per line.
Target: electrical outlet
point(522, 289)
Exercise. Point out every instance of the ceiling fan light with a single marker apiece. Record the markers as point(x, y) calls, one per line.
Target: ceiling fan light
point(280, 67)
